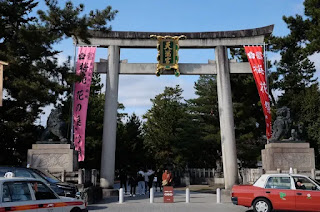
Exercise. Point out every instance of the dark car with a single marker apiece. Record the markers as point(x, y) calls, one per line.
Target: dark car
point(61, 188)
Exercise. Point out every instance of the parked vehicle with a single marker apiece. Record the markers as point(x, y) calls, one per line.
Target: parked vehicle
point(279, 192)
point(61, 188)
point(34, 195)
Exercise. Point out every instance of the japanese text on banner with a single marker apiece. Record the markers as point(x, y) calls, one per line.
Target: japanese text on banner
point(255, 57)
point(84, 68)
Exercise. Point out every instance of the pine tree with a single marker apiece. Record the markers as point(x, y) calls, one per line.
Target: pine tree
point(204, 111)
point(162, 128)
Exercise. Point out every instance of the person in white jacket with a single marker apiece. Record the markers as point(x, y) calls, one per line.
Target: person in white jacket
point(146, 179)
point(141, 183)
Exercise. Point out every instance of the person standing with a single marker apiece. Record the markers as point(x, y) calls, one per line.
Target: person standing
point(123, 179)
point(146, 180)
point(133, 184)
point(150, 178)
point(166, 178)
point(159, 180)
point(141, 183)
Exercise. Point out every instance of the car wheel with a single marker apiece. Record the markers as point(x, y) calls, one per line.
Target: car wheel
point(75, 210)
point(261, 205)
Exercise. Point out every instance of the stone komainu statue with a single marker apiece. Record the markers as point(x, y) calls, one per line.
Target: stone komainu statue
point(56, 126)
point(283, 129)
point(282, 125)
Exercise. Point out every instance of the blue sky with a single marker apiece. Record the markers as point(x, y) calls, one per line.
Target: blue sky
point(179, 16)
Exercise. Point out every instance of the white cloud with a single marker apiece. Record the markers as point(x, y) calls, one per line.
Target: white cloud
point(61, 58)
point(44, 116)
point(136, 91)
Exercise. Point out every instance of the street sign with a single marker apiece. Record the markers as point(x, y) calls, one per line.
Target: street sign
point(168, 194)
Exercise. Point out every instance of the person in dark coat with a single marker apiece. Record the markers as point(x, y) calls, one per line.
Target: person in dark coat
point(159, 180)
point(123, 179)
point(133, 184)
point(150, 182)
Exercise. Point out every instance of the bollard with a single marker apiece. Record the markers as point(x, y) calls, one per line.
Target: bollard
point(313, 174)
point(121, 195)
point(218, 195)
point(187, 195)
point(151, 195)
point(290, 170)
point(63, 176)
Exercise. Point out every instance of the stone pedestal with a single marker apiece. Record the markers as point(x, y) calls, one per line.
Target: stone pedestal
point(53, 157)
point(285, 155)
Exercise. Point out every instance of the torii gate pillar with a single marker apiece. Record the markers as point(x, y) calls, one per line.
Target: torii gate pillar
point(228, 141)
point(110, 119)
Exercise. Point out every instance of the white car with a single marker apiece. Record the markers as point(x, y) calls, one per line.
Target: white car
point(26, 194)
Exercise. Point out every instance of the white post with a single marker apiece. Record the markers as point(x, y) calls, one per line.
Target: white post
point(218, 195)
point(290, 170)
point(151, 195)
point(80, 177)
point(295, 171)
point(187, 195)
point(313, 173)
point(63, 176)
point(121, 195)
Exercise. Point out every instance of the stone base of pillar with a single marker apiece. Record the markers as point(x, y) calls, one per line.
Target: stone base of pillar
point(106, 192)
point(53, 157)
point(284, 156)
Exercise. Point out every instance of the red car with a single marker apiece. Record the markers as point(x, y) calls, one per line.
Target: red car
point(279, 192)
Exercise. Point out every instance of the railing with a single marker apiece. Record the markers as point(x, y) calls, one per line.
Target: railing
point(191, 175)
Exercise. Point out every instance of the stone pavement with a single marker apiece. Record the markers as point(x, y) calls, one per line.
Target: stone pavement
point(199, 202)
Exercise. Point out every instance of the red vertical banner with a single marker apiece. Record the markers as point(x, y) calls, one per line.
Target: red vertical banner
point(255, 57)
point(84, 68)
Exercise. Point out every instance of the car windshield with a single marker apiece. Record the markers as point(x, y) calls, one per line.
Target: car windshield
point(49, 177)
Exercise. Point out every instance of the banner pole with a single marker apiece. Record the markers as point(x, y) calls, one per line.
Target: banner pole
point(266, 72)
point(72, 96)
point(266, 64)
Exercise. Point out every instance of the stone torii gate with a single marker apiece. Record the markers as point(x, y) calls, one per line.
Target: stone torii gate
point(221, 67)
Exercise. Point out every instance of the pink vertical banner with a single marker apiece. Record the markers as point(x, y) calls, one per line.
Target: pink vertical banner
point(84, 67)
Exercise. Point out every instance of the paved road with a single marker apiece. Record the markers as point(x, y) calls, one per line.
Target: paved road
point(199, 202)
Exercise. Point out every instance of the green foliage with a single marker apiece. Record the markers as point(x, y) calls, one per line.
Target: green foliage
point(130, 151)
point(312, 11)
point(66, 21)
point(162, 129)
point(250, 128)
point(204, 112)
